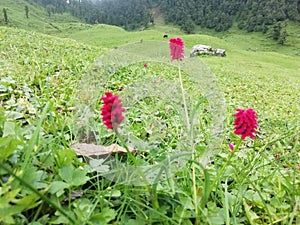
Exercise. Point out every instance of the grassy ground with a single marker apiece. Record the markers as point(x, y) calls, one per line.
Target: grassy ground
point(38, 19)
point(248, 60)
point(46, 82)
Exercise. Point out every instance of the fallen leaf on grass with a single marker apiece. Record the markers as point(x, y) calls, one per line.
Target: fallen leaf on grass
point(84, 149)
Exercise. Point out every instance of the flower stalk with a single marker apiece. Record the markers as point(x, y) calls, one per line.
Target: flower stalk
point(177, 50)
point(112, 117)
point(184, 100)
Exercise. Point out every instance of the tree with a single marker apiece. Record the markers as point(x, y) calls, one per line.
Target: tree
point(279, 32)
point(5, 16)
point(293, 10)
point(250, 15)
point(276, 31)
point(188, 26)
point(26, 11)
point(50, 9)
point(282, 37)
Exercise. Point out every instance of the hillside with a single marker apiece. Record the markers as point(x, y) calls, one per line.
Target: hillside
point(40, 86)
point(147, 169)
point(53, 19)
point(38, 18)
point(268, 59)
point(249, 55)
point(269, 17)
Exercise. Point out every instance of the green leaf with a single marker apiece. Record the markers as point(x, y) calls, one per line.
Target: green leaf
point(35, 223)
point(181, 213)
point(28, 202)
point(7, 146)
point(97, 165)
point(83, 208)
point(61, 219)
point(187, 202)
point(104, 217)
point(74, 177)
point(9, 212)
point(58, 187)
point(9, 129)
point(135, 222)
point(38, 182)
point(113, 194)
point(65, 156)
point(3, 88)
point(14, 115)
point(250, 214)
point(29, 174)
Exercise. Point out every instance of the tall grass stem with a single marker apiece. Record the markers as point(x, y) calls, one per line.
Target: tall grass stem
point(195, 192)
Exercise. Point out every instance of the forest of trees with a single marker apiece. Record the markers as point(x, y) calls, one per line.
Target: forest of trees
point(250, 15)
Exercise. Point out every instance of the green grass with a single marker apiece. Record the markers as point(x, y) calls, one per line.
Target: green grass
point(47, 81)
point(38, 19)
point(247, 62)
point(110, 36)
point(255, 41)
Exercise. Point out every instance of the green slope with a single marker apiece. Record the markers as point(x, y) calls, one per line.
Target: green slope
point(38, 19)
point(112, 36)
point(39, 69)
point(252, 60)
point(254, 65)
point(31, 59)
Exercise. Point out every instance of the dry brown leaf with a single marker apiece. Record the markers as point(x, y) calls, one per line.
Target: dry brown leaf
point(84, 149)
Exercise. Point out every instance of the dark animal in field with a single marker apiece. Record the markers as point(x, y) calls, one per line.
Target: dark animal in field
point(165, 36)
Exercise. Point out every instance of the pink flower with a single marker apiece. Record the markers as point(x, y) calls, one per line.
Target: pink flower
point(176, 48)
point(111, 111)
point(231, 146)
point(245, 123)
point(145, 65)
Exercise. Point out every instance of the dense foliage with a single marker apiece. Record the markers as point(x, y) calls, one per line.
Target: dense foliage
point(129, 14)
point(251, 15)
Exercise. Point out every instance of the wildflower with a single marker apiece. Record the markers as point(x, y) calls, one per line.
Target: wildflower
point(245, 123)
point(176, 48)
point(111, 111)
point(145, 65)
point(231, 146)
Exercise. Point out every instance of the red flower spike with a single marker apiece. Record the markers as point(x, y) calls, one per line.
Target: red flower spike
point(245, 123)
point(145, 65)
point(176, 48)
point(111, 111)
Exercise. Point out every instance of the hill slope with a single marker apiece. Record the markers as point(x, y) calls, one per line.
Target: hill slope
point(251, 62)
point(39, 85)
point(38, 18)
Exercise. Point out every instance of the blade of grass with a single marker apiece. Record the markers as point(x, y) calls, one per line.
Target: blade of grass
point(42, 196)
point(32, 143)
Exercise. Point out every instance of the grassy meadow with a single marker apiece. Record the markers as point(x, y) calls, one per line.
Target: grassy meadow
point(38, 18)
point(50, 90)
